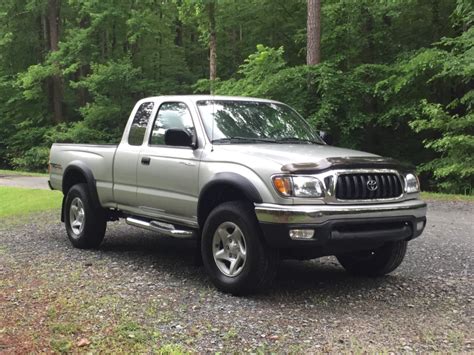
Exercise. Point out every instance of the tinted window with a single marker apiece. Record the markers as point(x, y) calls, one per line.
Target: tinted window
point(140, 121)
point(254, 120)
point(171, 115)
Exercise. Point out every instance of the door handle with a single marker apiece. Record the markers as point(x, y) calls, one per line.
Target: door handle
point(146, 160)
point(187, 163)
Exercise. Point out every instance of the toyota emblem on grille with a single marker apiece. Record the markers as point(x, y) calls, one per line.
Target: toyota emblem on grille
point(372, 185)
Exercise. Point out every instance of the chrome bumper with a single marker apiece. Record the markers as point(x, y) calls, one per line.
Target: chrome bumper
point(316, 214)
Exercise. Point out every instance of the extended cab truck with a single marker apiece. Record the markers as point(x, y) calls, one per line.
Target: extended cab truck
point(249, 180)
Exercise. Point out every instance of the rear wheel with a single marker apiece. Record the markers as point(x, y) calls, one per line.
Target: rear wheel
point(377, 262)
point(85, 225)
point(234, 253)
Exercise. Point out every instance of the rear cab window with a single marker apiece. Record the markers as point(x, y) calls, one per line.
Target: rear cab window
point(139, 124)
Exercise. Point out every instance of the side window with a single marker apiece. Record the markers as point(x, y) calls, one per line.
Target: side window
point(140, 121)
point(171, 115)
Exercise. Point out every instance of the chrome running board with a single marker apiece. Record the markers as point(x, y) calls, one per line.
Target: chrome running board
point(160, 227)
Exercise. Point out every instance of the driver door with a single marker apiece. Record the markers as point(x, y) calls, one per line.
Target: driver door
point(167, 176)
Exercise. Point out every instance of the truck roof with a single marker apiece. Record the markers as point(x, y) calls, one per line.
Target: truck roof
point(208, 97)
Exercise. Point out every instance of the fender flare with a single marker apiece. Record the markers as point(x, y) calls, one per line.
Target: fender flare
point(78, 167)
point(234, 180)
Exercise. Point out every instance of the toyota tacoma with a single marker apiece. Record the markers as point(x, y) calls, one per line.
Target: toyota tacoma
point(250, 180)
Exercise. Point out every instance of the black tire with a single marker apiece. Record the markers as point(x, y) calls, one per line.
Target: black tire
point(259, 268)
point(92, 232)
point(377, 262)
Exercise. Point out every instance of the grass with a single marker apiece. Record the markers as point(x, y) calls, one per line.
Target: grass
point(22, 173)
point(15, 201)
point(446, 197)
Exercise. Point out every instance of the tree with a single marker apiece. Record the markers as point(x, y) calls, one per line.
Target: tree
point(211, 8)
point(53, 13)
point(313, 27)
point(396, 77)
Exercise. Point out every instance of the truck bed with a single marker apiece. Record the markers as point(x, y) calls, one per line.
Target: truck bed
point(97, 157)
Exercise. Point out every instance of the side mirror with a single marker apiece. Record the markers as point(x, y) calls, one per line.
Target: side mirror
point(326, 137)
point(179, 138)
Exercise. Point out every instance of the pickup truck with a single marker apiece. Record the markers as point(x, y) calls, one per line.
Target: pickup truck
point(249, 180)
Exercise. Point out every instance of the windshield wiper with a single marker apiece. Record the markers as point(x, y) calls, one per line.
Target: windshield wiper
point(298, 140)
point(244, 140)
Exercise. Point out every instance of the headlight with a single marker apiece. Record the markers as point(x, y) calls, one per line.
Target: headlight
point(412, 184)
point(298, 186)
point(307, 186)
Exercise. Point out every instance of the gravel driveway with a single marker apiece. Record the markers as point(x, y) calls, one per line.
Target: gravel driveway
point(142, 293)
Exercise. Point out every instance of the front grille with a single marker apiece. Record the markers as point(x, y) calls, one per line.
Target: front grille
point(367, 186)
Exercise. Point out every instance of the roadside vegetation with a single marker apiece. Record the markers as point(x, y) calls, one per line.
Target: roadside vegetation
point(446, 197)
point(390, 77)
point(21, 172)
point(15, 201)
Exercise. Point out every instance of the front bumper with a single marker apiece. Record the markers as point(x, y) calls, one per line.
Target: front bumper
point(346, 227)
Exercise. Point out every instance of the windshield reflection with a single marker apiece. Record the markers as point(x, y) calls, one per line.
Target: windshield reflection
point(235, 121)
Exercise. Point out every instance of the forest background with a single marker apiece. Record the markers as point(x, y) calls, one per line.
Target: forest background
point(392, 77)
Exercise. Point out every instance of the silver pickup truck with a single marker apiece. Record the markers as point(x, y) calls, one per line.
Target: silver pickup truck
point(249, 180)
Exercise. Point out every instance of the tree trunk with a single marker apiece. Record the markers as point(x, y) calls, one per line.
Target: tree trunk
point(212, 44)
point(313, 27)
point(84, 69)
point(56, 82)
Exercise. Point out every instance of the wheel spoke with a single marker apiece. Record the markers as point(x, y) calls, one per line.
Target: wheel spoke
point(74, 210)
point(223, 236)
point(243, 252)
point(236, 235)
point(232, 267)
point(221, 255)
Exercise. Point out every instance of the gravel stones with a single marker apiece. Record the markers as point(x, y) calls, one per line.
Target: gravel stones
point(141, 292)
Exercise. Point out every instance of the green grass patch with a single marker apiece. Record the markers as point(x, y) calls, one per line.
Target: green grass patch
point(61, 345)
point(15, 201)
point(171, 349)
point(446, 197)
point(65, 328)
point(23, 173)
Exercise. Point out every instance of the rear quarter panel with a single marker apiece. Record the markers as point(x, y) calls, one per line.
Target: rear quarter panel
point(98, 158)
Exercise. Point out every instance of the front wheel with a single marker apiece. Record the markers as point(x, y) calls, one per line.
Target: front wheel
point(85, 225)
point(233, 251)
point(377, 262)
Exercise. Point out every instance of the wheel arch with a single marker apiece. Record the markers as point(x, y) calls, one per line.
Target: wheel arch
point(75, 173)
point(225, 187)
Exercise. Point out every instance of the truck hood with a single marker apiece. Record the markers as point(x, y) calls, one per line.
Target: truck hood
point(282, 154)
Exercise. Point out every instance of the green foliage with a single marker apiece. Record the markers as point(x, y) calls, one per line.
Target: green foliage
point(34, 159)
point(395, 79)
point(254, 72)
point(435, 85)
point(114, 87)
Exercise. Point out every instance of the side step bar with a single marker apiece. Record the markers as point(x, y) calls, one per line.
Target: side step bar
point(160, 227)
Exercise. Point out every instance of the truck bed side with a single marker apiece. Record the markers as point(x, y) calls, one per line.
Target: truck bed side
point(98, 158)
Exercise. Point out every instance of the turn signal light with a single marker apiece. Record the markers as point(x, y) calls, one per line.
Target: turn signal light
point(283, 185)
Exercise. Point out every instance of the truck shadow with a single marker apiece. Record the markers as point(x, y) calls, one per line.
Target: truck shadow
point(177, 258)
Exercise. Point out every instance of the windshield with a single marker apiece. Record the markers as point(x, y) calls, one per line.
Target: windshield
point(235, 121)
